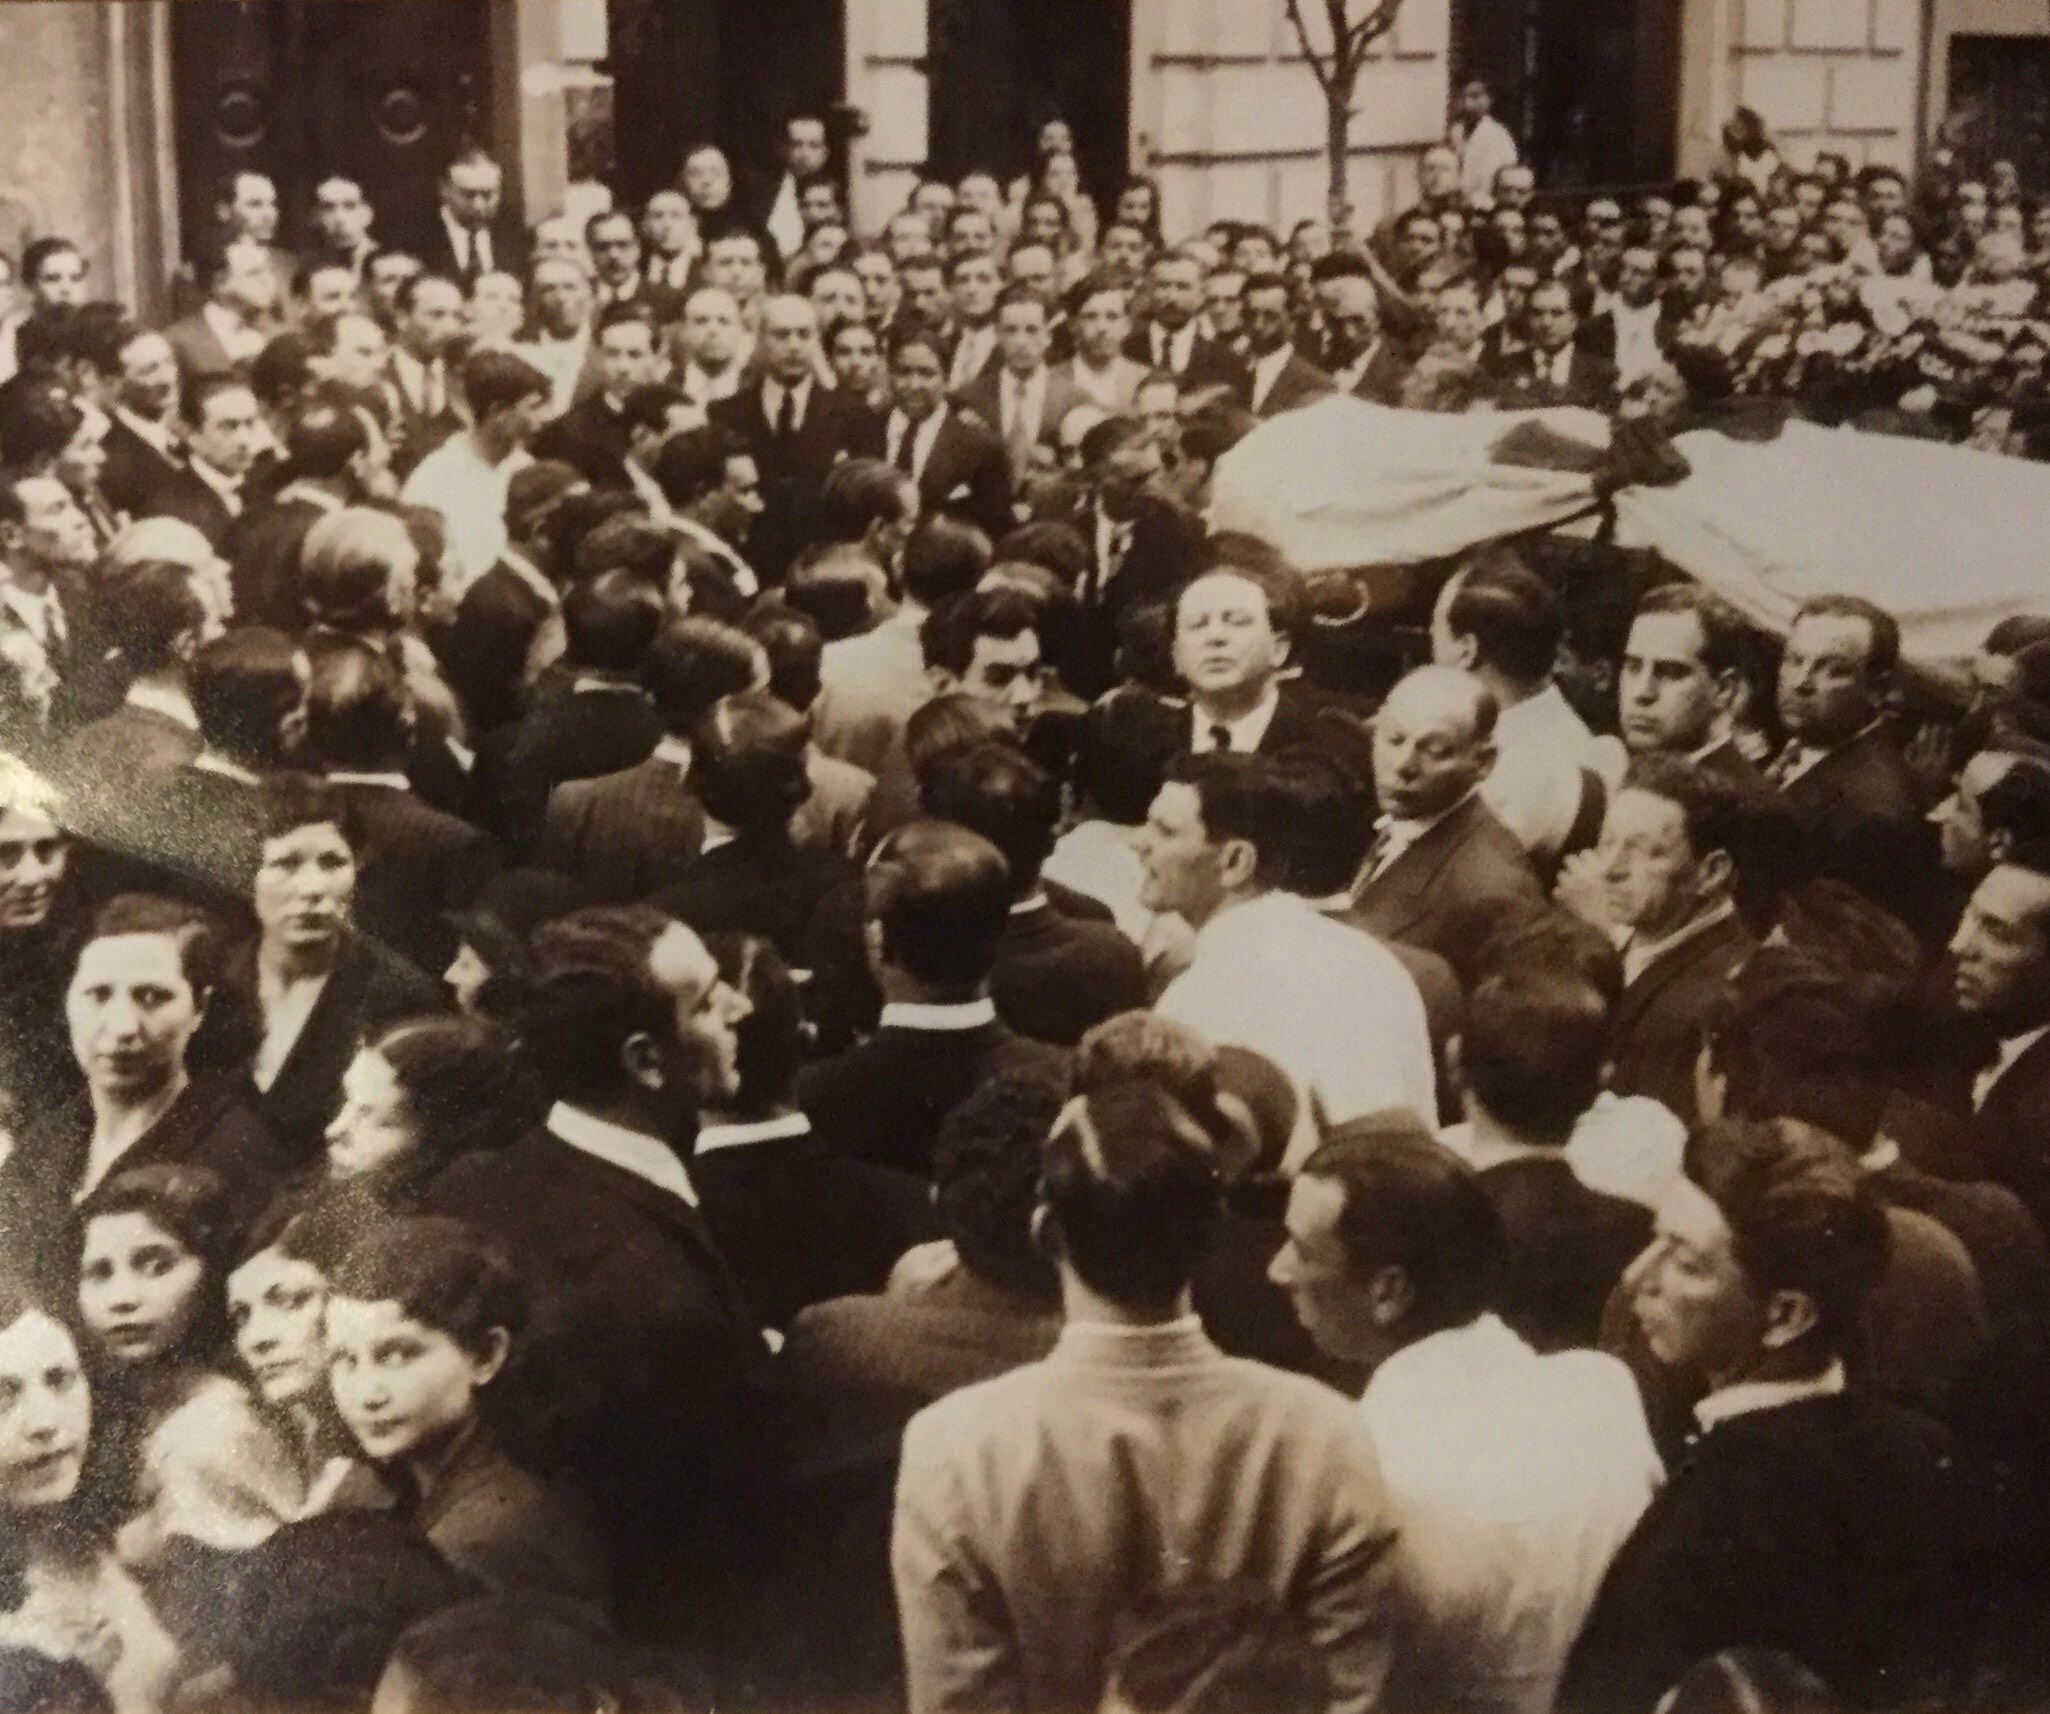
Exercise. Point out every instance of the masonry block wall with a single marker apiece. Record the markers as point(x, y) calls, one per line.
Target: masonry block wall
point(1831, 74)
point(1228, 115)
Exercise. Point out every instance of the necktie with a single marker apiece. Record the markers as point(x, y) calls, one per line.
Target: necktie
point(1787, 762)
point(1377, 853)
point(780, 422)
point(907, 448)
point(1220, 739)
point(1009, 401)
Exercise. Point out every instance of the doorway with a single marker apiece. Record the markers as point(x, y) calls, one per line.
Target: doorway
point(999, 69)
point(300, 89)
point(2000, 92)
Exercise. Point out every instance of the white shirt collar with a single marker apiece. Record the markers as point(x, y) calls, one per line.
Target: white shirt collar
point(1483, 1152)
point(923, 435)
point(673, 750)
point(238, 339)
point(167, 700)
point(312, 493)
point(161, 435)
point(2011, 1049)
point(209, 762)
point(647, 1158)
point(1245, 732)
point(1267, 370)
point(42, 615)
point(1031, 905)
point(1747, 1396)
point(954, 1015)
point(227, 487)
point(356, 777)
point(531, 575)
point(715, 1137)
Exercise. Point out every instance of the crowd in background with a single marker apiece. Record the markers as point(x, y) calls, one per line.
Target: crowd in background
point(700, 1008)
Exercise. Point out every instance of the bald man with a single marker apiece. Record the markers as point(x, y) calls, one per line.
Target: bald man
point(1444, 874)
point(796, 427)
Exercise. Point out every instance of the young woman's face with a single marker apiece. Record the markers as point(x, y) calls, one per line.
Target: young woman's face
point(138, 1286)
point(132, 1012)
point(305, 885)
point(275, 1306)
point(398, 1383)
point(45, 1412)
point(375, 1124)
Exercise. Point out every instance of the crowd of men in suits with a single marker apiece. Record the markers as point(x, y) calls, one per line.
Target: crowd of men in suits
point(700, 1007)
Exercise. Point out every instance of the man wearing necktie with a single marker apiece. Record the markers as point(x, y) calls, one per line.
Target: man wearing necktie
point(958, 464)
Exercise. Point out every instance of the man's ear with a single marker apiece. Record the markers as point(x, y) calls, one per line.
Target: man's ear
point(2000, 845)
point(1391, 1295)
point(1466, 652)
point(1729, 685)
point(1716, 871)
point(941, 680)
point(1238, 863)
point(1789, 1315)
point(644, 1061)
point(485, 1364)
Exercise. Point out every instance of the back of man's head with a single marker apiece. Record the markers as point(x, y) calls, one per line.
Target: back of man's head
point(943, 558)
point(323, 438)
point(859, 494)
point(609, 621)
point(995, 789)
point(1511, 614)
point(630, 543)
point(986, 1177)
point(357, 709)
point(941, 899)
point(692, 464)
point(748, 762)
point(508, 1654)
point(244, 684)
point(1411, 1203)
point(1133, 1193)
point(1531, 1052)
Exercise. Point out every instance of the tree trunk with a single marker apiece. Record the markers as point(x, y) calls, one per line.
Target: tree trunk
point(1338, 149)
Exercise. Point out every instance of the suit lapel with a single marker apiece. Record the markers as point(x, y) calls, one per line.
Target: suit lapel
point(1406, 883)
point(1708, 948)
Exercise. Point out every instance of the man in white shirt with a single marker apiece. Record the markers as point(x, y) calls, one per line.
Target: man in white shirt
point(561, 347)
point(1099, 312)
point(465, 479)
point(1501, 622)
point(1328, 1004)
point(1515, 1477)
point(1020, 396)
point(975, 281)
point(1483, 141)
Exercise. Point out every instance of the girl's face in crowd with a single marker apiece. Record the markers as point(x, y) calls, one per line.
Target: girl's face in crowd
point(305, 884)
point(399, 1384)
point(132, 1011)
point(138, 1286)
point(45, 1412)
point(275, 1306)
point(375, 1124)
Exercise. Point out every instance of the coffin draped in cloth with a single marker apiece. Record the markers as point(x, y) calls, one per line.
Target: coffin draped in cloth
point(1950, 539)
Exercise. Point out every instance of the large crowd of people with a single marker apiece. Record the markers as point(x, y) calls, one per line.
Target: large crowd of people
point(700, 1008)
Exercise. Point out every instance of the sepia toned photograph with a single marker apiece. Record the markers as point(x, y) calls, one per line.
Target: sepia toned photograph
point(1024, 856)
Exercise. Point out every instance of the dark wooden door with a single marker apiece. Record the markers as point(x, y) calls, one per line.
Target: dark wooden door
point(729, 72)
point(1591, 88)
point(385, 92)
point(999, 69)
point(2000, 88)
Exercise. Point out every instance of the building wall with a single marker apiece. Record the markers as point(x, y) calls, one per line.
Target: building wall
point(1227, 113)
point(1824, 74)
point(886, 80)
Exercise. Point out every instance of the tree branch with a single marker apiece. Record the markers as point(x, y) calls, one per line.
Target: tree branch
point(1326, 76)
point(1371, 28)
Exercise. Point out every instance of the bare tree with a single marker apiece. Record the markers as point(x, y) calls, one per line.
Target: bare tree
point(1354, 25)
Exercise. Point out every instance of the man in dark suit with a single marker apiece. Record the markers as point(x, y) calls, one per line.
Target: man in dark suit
point(1362, 357)
point(1631, 333)
point(1280, 377)
point(471, 233)
point(1556, 369)
point(488, 652)
point(629, 833)
point(417, 863)
point(603, 723)
point(594, 434)
point(225, 434)
point(421, 388)
point(1530, 1065)
point(642, 1354)
point(1808, 1516)
point(225, 334)
point(747, 768)
point(1664, 873)
point(937, 901)
point(1678, 682)
point(1443, 873)
point(796, 427)
point(1842, 774)
point(2002, 980)
point(1021, 396)
point(1171, 338)
point(615, 246)
point(798, 1219)
point(957, 461)
point(1058, 973)
point(328, 448)
point(143, 432)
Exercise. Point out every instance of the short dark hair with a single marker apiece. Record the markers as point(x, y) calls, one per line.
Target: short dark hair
point(290, 801)
point(464, 1087)
point(515, 1653)
point(1884, 629)
point(152, 611)
point(441, 1273)
point(244, 683)
point(494, 381)
point(1560, 942)
point(942, 898)
point(631, 543)
point(1132, 1186)
point(944, 557)
point(692, 464)
point(1412, 1203)
point(858, 494)
point(1510, 612)
point(795, 647)
point(1531, 1051)
point(1724, 630)
point(185, 925)
point(610, 620)
point(1801, 1215)
point(748, 762)
point(986, 1177)
point(535, 492)
point(593, 991)
point(995, 789)
point(324, 436)
point(201, 391)
point(1719, 815)
point(356, 705)
point(1250, 797)
point(693, 665)
point(950, 631)
point(1049, 544)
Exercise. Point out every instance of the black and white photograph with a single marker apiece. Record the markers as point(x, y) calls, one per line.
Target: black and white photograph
point(1024, 856)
